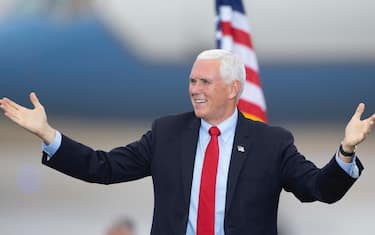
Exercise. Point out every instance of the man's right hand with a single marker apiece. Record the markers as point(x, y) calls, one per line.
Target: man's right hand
point(33, 120)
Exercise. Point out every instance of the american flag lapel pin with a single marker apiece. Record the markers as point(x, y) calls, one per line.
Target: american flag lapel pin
point(240, 149)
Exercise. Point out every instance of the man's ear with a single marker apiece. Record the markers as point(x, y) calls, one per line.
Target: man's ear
point(235, 89)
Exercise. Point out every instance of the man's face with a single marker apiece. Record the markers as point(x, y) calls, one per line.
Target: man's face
point(213, 99)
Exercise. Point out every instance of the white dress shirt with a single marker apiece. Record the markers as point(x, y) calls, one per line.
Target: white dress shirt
point(225, 139)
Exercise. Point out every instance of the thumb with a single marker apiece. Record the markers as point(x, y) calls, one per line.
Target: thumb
point(360, 109)
point(34, 99)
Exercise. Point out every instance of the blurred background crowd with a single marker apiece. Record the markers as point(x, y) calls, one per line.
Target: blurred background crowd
point(105, 69)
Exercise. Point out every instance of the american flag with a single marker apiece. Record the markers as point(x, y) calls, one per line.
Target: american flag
point(233, 34)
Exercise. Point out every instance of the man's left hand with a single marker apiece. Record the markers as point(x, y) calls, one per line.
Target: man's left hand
point(357, 130)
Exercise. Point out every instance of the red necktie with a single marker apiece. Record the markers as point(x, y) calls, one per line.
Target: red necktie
point(206, 203)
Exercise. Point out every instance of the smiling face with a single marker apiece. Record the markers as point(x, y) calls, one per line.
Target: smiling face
point(213, 99)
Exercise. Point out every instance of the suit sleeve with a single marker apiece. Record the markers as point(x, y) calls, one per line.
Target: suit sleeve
point(309, 183)
point(121, 164)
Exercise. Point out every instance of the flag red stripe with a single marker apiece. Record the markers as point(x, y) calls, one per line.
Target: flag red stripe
point(255, 110)
point(238, 35)
point(252, 76)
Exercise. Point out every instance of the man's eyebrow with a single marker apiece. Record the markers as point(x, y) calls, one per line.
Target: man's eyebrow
point(201, 78)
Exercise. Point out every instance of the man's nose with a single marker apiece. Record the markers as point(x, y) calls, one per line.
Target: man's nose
point(195, 88)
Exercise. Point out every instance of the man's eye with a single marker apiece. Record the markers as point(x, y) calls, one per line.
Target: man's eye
point(205, 81)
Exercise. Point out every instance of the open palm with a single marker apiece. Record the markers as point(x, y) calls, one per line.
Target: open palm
point(33, 120)
point(357, 130)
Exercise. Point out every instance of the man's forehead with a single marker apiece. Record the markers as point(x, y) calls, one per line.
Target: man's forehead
point(205, 67)
point(207, 62)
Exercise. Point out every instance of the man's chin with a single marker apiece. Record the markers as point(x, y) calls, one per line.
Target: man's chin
point(198, 114)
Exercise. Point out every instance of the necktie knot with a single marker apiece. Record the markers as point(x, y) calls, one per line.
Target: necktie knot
point(214, 131)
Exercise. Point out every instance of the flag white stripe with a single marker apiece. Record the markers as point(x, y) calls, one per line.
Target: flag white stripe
point(237, 19)
point(254, 94)
point(218, 35)
point(227, 42)
point(247, 56)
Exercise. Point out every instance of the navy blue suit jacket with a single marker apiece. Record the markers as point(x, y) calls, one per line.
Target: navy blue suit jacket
point(256, 177)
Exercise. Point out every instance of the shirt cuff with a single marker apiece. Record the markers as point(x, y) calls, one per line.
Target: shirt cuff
point(52, 148)
point(350, 168)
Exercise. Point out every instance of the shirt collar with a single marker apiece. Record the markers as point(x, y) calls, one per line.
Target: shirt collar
point(227, 127)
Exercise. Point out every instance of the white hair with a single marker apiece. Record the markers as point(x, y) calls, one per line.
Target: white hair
point(231, 67)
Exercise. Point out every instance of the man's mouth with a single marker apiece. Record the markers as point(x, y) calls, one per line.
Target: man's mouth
point(200, 101)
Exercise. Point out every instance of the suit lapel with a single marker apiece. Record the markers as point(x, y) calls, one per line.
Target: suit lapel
point(189, 140)
point(240, 152)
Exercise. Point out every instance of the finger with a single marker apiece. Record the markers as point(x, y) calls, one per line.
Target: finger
point(34, 99)
point(372, 120)
point(11, 103)
point(13, 117)
point(2, 103)
point(360, 109)
point(8, 107)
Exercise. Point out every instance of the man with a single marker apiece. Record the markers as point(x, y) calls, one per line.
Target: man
point(213, 171)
